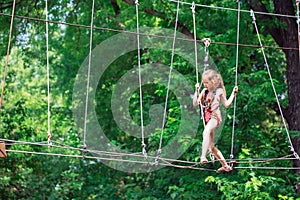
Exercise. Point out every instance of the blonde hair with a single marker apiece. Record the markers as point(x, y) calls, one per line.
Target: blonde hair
point(214, 77)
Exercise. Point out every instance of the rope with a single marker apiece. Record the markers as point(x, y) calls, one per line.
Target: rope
point(144, 34)
point(142, 162)
point(140, 79)
point(236, 78)
point(270, 168)
point(112, 154)
point(236, 10)
point(196, 57)
point(271, 79)
point(195, 41)
point(8, 52)
point(103, 158)
point(48, 76)
point(88, 77)
point(168, 87)
point(206, 42)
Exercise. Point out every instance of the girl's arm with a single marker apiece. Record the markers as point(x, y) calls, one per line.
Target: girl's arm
point(227, 102)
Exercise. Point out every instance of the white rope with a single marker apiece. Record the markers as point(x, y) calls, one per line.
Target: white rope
point(8, 52)
point(190, 165)
point(48, 76)
point(232, 9)
point(140, 79)
point(168, 87)
point(236, 77)
point(269, 168)
point(196, 57)
point(195, 41)
point(88, 77)
point(141, 162)
point(104, 158)
point(271, 79)
point(142, 34)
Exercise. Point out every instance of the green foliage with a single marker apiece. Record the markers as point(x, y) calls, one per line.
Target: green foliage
point(259, 131)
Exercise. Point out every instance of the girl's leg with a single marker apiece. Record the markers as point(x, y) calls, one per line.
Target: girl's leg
point(208, 130)
point(225, 167)
point(212, 145)
point(211, 141)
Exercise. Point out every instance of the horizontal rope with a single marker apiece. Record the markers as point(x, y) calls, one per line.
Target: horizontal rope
point(233, 9)
point(102, 158)
point(270, 168)
point(143, 162)
point(146, 35)
point(139, 155)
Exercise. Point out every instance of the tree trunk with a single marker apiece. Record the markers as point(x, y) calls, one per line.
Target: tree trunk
point(289, 36)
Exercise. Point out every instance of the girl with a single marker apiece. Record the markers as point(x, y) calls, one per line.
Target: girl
point(209, 99)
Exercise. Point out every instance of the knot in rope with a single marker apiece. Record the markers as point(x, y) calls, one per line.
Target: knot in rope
point(193, 7)
point(206, 42)
point(137, 2)
point(49, 139)
point(157, 157)
point(296, 155)
point(252, 15)
point(144, 150)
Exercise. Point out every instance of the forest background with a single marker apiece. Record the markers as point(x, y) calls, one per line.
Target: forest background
point(259, 129)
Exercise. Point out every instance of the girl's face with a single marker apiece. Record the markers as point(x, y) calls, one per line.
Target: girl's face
point(207, 84)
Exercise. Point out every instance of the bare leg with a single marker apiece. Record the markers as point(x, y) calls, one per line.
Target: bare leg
point(211, 141)
point(207, 136)
point(225, 167)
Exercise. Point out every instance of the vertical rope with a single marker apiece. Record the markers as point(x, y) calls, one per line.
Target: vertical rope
point(268, 68)
point(140, 79)
point(196, 57)
point(168, 87)
point(206, 42)
point(8, 52)
point(48, 74)
point(195, 41)
point(236, 78)
point(88, 76)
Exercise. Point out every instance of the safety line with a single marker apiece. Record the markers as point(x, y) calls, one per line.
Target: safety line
point(146, 35)
point(236, 10)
